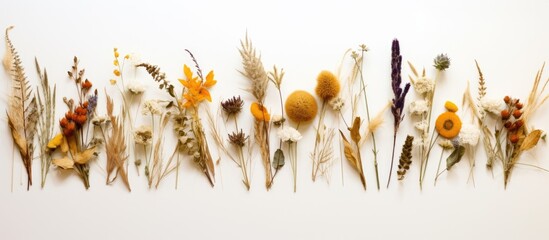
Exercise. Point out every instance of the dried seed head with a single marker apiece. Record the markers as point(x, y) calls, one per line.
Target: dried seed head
point(232, 105)
point(517, 113)
point(507, 99)
point(513, 138)
point(442, 62)
point(238, 138)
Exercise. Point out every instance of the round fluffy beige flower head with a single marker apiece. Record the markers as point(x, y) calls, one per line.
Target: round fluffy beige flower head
point(327, 85)
point(301, 106)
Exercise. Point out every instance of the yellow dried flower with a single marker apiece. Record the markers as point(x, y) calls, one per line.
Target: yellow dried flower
point(450, 106)
point(112, 81)
point(56, 141)
point(301, 106)
point(448, 125)
point(116, 63)
point(116, 54)
point(127, 56)
point(116, 72)
point(327, 85)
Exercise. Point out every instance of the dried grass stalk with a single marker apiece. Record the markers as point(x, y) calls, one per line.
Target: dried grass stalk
point(116, 148)
point(253, 70)
point(46, 122)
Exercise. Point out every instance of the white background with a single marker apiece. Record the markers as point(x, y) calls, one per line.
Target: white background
point(508, 38)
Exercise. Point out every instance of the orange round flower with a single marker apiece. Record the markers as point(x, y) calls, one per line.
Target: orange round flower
point(259, 112)
point(448, 125)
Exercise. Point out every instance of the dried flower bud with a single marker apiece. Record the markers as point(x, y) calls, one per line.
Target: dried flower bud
point(507, 99)
point(517, 113)
point(518, 124)
point(519, 106)
point(86, 84)
point(505, 114)
point(507, 124)
point(513, 138)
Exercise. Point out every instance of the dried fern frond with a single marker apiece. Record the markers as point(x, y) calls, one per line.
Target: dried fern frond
point(46, 121)
point(22, 110)
point(253, 70)
point(159, 77)
point(405, 157)
point(116, 148)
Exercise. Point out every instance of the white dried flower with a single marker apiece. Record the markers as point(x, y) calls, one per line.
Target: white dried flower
point(99, 120)
point(423, 85)
point(446, 144)
point(151, 107)
point(143, 135)
point(469, 134)
point(135, 87)
point(421, 125)
point(289, 134)
point(419, 107)
point(277, 120)
point(337, 103)
point(491, 105)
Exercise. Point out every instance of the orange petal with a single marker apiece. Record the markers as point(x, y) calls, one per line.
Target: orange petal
point(210, 81)
point(206, 94)
point(188, 73)
point(184, 83)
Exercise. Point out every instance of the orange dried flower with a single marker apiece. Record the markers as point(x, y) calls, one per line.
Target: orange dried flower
point(514, 138)
point(259, 112)
point(116, 72)
point(86, 84)
point(448, 125)
point(507, 99)
point(197, 90)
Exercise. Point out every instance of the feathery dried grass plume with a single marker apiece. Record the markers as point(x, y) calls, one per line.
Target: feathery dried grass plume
point(115, 146)
point(253, 70)
point(22, 108)
point(323, 155)
point(405, 157)
point(397, 107)
point(46, 122)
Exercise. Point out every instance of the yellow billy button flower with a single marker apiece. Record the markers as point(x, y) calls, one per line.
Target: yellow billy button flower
point(56, 141)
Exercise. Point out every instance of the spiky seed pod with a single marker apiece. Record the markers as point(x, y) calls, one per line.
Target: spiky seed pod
point(405, 157)
point(232, 105)
point(442, 62)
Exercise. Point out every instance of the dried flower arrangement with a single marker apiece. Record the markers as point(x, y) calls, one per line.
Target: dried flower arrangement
point(300, 107)
point(77, 147)
point(422, 108)
point(259, 81)
point(397, 106)
point(238, 139)
point(327, 89)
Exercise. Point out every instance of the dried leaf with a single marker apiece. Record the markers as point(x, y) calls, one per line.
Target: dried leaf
point(278, 159)
point(455, 157)
point(64, 146)
point(64, 163)
point(355, 130)
point(84, 156)
point(349, 153)
point(531, 140)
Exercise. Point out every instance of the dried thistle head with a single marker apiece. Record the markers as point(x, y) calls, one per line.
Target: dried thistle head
point(143, 135)
point(238, 138)
point(253, 70)
point(442, 62)
point(232, 105)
